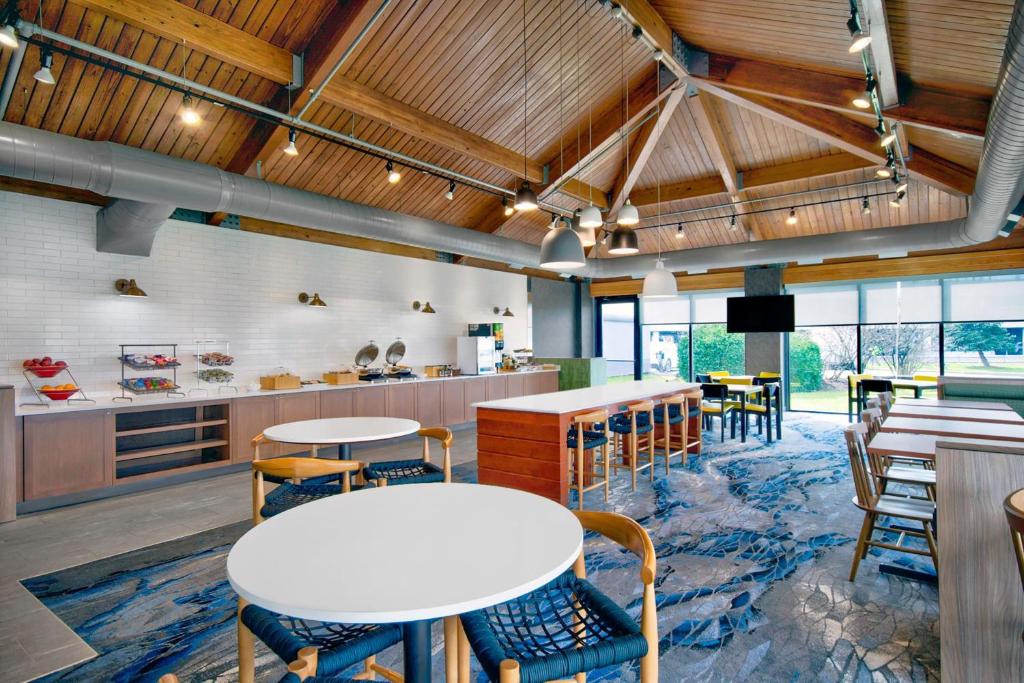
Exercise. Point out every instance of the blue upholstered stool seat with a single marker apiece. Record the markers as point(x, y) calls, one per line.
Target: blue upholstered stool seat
point(293, 678)
point(289, 495)
point(339, 645)
point(622, 424)
point(538, 631)
point(591, 439)
point(404, 472)
point(674, 414)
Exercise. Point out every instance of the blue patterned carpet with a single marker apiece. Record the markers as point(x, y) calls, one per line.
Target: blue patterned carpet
point(754, 545)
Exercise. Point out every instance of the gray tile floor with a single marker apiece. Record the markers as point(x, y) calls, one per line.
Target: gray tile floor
point(33, 641)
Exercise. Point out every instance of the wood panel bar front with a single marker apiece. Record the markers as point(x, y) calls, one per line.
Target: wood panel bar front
point(524, 448)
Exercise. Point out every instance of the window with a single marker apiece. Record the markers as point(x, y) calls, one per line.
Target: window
point(984, 348)
point(665, 337)
point(617, 343)
point(823, 349)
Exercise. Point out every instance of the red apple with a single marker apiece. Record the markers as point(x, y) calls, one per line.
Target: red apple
point(46, 360)
point(35, 361)
point(61, 364)
point(26, 364)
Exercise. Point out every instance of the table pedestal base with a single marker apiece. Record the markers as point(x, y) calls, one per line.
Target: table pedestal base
point(416, 651)
point(344, 451)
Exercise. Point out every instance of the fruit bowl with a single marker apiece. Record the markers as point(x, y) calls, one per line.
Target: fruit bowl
point(45, 371)
point(59, 394)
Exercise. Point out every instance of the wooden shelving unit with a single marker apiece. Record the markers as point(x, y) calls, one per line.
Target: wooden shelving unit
point(170, 440)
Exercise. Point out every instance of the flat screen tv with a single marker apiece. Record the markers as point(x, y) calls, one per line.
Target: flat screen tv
point(760, 313)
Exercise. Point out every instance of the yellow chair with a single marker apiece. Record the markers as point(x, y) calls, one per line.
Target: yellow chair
point(770, 375)
point(853, 396)
point(717, 375)
point(926, 378)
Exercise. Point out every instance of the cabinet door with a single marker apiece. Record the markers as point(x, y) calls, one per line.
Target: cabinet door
point(402, 401)
point(370, 402)
point(453, 401)
point(337, 403)
point(249, 417)
point(293, 408)
point(549, 382)
point(68, 452)
point(496, 387)
point(476, 392)
point(516, 385)
point(428, 403)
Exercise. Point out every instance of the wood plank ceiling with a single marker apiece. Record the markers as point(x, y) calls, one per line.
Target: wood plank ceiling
point(461, 64)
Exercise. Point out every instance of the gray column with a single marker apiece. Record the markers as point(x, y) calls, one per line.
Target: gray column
point(763, 349)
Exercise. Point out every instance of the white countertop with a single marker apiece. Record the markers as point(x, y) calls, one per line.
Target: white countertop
point(443, 549)
point(105, 400)
point(591, 397)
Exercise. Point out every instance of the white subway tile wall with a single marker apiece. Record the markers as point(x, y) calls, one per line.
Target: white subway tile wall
point(57, 298)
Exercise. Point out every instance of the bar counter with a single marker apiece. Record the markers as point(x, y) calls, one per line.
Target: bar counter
point(521, 441)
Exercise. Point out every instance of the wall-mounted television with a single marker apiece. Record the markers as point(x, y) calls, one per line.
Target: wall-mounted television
point(760, 313)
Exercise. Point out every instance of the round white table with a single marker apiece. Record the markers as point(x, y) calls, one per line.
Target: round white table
point(343, 431)
point(429, 551)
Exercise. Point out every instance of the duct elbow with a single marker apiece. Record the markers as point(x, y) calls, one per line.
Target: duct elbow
point(129, 227)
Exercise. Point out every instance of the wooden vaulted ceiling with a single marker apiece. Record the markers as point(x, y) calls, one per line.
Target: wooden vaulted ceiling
point(442, 81)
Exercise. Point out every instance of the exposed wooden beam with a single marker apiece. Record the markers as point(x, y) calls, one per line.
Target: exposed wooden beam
point(685, 189)
point(174, 21)
point(333, 37)
point(849, 136)
point(656, 30)
point(935, 110)
point(887, 88)
point(333, 238)
point(641, 152)
point(68, 194)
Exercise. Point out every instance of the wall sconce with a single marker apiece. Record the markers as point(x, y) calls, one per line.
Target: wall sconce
point(314, 300)
point(128, 288)
point(506, 314)
point(424, 307)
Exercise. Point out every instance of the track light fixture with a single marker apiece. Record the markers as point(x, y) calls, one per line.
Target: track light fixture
point(506, 207)
point(44, 75)
point(865, 207)
point(863, 100)
point(450, 194)
point(189, 114)
point(791, 219)
point(680, 233)
point(897, 201)
point(659, 55)
point(393, 175)
point(900, 182)
point(733, 227)
point(859, 39)
point(883, 172)
point(290, 149)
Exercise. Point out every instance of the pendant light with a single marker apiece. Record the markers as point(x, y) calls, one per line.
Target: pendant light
point(8, 36)
point(865, 207)
point(393, 175)
point(45, 75)
point(189, 114)
point(590, 218)
point(561, 248)
point(526, 198)
point(588, 236)
point(628, 214)
point(623, 241)
point(660, 283)
point(506, 207)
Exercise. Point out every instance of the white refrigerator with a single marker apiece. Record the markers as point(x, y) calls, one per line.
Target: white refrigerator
point(476, 355)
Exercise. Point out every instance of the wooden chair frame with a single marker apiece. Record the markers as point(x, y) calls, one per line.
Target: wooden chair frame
point(629, 534)
point(578, 472)
point(635, 442)
point(1013, 506)
point(726, 409)
point(868, 499)
point(885, 468)
point(673, 444)
point(444, 436)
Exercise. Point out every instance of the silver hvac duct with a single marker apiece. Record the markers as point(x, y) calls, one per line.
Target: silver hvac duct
point(128, 173)
point(129, 227)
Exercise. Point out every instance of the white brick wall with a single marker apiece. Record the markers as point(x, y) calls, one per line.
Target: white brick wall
point(57, 297)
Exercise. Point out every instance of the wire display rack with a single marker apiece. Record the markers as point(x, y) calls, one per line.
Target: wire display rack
point(32, 379)
point(212, 357)
point(126, 385)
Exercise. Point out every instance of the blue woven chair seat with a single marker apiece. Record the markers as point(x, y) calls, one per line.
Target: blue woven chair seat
point(289, 495)
point(340, 645)
point(675, 414)
point(293, 678)
point(591, 439)
point(538, 631)
point(621, 423)
point(404, 472)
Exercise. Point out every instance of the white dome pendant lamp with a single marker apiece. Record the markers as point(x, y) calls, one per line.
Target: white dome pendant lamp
point(660, 283)
point(561, 248)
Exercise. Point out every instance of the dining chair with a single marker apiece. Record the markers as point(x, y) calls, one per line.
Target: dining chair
point(925, 378)
point(261, 442)
point(769, 375)
point(295, 475)
point(876, 504)
point(569, 627)
point(716, 404)
point(854, 399)
point(775, 378)
point(418, 470)
point(909, 471)
point(302, 670)
point(703, 378)
point(633, 427)
point(336, 647)
point(1013, 506)
point(876, 386)
point(767, 409)
point(673, 417)
point(587, 433)
point(717, 375)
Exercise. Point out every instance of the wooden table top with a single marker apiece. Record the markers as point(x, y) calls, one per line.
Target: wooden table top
point(900, 409)
point(744, 388)
point(919, 445)
point(984, 430)
point(953, 403)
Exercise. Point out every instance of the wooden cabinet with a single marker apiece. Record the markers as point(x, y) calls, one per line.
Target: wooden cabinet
point(541, 383)
point(401, 401)
point(68, 452)
point(293, 408)
point(497, 387)
point(249, 417)
point(337, 403)
point(428, 403)
point(370, 402)
point(453, 401)
point(475, 392)
point(516, 385)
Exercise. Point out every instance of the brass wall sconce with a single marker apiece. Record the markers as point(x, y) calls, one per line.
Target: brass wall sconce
point(128, 288)
point(506, 314)
point(314, 300)
point(424, 307)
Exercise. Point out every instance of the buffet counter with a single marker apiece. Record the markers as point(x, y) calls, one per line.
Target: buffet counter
point(71, 452)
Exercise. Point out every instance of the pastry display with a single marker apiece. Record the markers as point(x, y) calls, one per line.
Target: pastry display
point(146, 385)
point(215, 375)
point(144, 361)
point(215, 358)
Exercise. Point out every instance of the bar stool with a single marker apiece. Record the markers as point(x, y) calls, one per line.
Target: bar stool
point(1013, 506)
point(674, 410)
point(587, 433)
point(637, 420)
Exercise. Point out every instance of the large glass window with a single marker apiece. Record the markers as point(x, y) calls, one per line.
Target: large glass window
point(714, 349)
point(984, 348)
point(618, 347)
point(665, 338)
point(823, 349)
point(901, 338)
